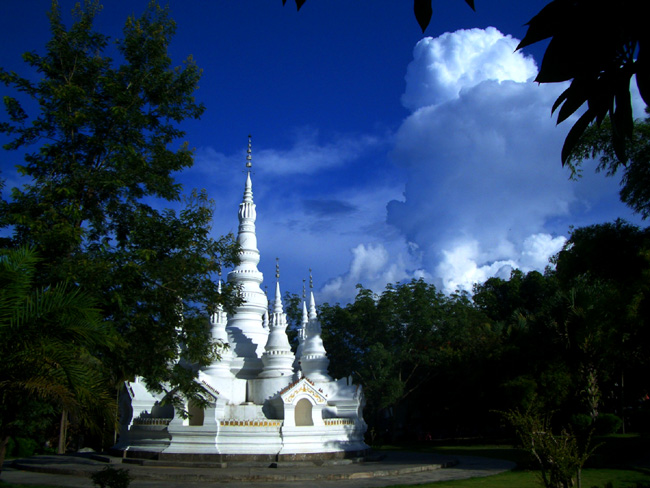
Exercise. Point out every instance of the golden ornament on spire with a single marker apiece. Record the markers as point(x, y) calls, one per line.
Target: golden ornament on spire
point(249, 162)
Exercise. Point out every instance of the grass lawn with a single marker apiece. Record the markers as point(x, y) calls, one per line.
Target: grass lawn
point(4, 484)
point(529, 479)
point(11, 485)
point(623, 461)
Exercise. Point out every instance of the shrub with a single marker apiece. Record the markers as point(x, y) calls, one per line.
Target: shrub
point(110, 477)
point(10, 448)
point(607, 423)
point(21, 447)
point(581, 423)
point(560, 456)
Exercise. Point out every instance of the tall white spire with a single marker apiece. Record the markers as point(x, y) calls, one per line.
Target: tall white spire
point(313, 360)
point(277, 358)
point(302, 329)
point(246, 325)
point(218, 322)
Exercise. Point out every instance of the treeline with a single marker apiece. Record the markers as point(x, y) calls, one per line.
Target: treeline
point(108, 269)
point(573, 341)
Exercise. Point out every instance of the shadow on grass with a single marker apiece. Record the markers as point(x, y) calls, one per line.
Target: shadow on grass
point(630, 451)
point(495, 450)
point(621, 462)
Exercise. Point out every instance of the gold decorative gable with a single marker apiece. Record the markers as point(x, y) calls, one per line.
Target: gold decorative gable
point(303, 386)
point(209, 390)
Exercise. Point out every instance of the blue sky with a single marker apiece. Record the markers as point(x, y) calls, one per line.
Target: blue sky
point(380, 154)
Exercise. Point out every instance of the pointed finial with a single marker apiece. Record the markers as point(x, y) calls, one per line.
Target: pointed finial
point(277, 268)
point(304, 293)
point(249, 162)
point(311, 280)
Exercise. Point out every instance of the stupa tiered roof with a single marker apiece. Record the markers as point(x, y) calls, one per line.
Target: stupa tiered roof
point(263, 399)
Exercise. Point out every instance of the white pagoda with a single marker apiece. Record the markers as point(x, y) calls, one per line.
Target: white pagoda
point(265, 401)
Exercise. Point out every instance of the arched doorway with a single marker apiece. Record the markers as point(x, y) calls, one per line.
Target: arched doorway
point(303, 413)
point(196, 414)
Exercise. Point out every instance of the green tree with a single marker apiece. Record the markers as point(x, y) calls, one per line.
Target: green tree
point(585, 325)
point(560, 456)
point(569, 334)
point(348, 334)
point(530, 365)
point(596, 143)
point(399, 344)
point(47, 340)
point(105, 150)
point(522, 294)
point(603, 270)
point(463, 359)
point(599, 46)
point(375, 342)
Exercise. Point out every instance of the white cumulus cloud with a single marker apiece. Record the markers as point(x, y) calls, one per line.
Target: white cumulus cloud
point(485, 188)
point(373, 266)
point(459, 267)
point(444, 66)
point(478, 161)
point(467, 262)
point(537, 248)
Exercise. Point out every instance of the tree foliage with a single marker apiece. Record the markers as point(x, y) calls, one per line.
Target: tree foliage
point(103, 147)
point(50, 338)
point(607, 267)
point(564, 341)
point(560, 456)
point(395, 344)
point(596, 143)
point(599, 46)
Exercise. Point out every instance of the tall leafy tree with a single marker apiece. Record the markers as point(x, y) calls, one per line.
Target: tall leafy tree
point(103, 148)
point(563, 341)
point(522, 294)
point(604, 271)
point(596, 143)
point(463, 358)
point(531, 365)
point(48, 338)
point(400, 343)
point(598, 46)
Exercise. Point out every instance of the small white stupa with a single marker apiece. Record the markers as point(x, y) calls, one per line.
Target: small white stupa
point(265, 402)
